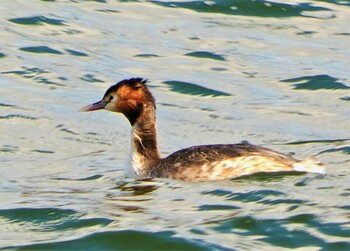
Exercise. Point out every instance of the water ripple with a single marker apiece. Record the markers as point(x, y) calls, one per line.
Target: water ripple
point(124, 240)
point(147, 55)
point(6, 105)
point(345, 150)
point(321, 141)
point(284, 232)
point(206, 54)
point(17, 116)
point(37, 74)
point(246, 7)
point(316, 82)
point(41, 49)
point(91, 78)
point(77, 53)
point(50, 219)
point(193, 89)
point(37, 20)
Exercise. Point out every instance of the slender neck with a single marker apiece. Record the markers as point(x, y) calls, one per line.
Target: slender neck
point(145, 154)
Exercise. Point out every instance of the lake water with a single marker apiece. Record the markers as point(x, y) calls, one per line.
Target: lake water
point(275, 73)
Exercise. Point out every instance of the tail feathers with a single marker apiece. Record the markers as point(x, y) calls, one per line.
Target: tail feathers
point(310, 165)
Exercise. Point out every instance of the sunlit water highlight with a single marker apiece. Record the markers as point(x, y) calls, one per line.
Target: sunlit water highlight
point(273, 73)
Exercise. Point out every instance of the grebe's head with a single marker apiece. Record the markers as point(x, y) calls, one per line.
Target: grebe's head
point(129, 96)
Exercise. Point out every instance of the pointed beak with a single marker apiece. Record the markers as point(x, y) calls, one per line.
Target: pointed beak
point(93, 107)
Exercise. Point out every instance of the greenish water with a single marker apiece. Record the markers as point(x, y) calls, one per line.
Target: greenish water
point(275, 73)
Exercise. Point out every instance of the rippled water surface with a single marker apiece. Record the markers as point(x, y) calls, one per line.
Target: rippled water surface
point(275, 73)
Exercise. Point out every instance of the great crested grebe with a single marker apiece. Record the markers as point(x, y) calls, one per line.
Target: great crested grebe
point(132, 98)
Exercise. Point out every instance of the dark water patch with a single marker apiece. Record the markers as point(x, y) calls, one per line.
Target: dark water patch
point(332, 229)
point(51, 219)
point(6, 105)
point(37, 20)
point(345, 207)
point(211, 207)
point(146, 55)
point(218, 192)
point(9, 149)
point(346, 98)
point(2, 55)
point(286, 238)
point(17, 116)
point(322, 141)
point(297, 113)
point(292, 208)
point(250, 74)
point(306, 33)
point(76, 53)
point(254, 196)
point(36, 215)
point(198, 231)
point(255, 8)
point(303, 182)
point(206, 109)
point(278, 232)
point(316, 82)
point(337, 246)
point(46, 81)
point(41, 50)
point(68, 131)
point(343, 34)
point(43, 151)
point(193, 89)
point(345, 150)
point(109, 11)
point(90, 78)
point(194, 38)
point(282, 201)
point(63, 129)
point(35, 73)
point(62, 78)
point(76, 223)
point(27, 71)
point(92, 133)
point(219, 69)
point(124, 240)
point(302, 218)
point(71, 31)
point(206, 54)
point(93, 177)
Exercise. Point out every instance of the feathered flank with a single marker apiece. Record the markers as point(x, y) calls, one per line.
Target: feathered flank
point(310, 165)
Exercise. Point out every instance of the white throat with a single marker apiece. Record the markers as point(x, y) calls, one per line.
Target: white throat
point(136, 160)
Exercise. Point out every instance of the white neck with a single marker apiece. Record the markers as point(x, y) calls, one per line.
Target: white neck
point(136, 160)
